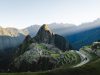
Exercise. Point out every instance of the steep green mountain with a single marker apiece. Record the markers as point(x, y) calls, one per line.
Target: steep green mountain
point(90, 68)
point(45, 35)
point(45, 51)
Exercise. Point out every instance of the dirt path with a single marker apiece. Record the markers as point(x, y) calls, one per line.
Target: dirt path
point(84, 59)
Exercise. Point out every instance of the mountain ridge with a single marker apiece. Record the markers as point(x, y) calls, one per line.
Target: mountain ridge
point(45, 51)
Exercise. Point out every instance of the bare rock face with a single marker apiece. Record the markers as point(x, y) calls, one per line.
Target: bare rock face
point(45, 35)
point(60, 42)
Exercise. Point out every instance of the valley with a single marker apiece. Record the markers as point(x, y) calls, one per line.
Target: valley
point(48, 53)
point(49, 37)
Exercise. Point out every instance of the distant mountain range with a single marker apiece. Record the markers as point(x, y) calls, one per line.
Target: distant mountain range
point(10, 38)
point(78, 36)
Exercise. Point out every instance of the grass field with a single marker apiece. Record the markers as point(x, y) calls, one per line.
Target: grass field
point(92, 68)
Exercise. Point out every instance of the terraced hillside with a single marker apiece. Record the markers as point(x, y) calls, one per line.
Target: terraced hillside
point(41, 55)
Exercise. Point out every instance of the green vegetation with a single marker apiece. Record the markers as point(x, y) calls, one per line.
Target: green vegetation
point(44, 57)
point(92, 68)
point(88, 51)
point(65, 61)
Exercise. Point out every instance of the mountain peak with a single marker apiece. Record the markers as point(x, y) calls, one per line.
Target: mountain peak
point(45, 27)
point(44, 34)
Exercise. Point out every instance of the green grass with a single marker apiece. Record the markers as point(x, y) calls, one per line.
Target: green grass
point(55, 55)
point(92, 68)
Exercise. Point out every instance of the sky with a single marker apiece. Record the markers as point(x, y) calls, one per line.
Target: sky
point(23, 13)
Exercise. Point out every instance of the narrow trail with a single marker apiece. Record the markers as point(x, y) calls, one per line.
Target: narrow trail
point(84, 59)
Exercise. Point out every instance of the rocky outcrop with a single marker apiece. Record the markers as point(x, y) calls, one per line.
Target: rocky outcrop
point(60, 42)
point(45, 35)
